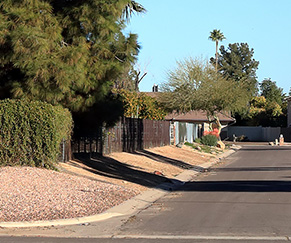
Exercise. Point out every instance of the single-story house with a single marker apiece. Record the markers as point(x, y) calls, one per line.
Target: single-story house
point(191, 125)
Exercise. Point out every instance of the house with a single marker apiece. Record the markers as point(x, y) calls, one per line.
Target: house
point(191, 125)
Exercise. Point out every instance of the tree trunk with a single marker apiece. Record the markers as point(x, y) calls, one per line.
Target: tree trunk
point(219, 127)
point(210, 122)
point(216, 56)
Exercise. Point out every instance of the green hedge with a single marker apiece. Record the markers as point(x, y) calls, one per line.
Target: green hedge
point(31, 132)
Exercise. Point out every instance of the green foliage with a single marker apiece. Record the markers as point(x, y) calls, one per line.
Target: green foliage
point(209, 140)
point(271, 91)
point(269, 109)
point(31, 132)
point(140, 105)
point(195, 85)
point(106, 113)
point(198, 140)
point(259, 102)
point(64, 52)
point(237, 62)
point(203, 148)
point(274, 109)
point(262, 112)
point(216, 35)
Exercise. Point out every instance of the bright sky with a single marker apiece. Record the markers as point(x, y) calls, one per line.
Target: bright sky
point(175, 29)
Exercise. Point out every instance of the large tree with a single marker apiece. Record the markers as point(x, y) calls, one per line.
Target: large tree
point(195, 85)
point(271, 91)
point(237, 63)
point(216, 36)
point(64, 52)
point(269, 108)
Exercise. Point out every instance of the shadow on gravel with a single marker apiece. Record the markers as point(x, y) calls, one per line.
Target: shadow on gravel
point(238, 186)
point(163, 159)
point(112, 168)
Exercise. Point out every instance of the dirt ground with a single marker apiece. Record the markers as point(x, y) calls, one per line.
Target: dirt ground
point(140, 170)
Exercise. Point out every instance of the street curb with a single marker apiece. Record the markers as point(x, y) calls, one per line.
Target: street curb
point(130, 206)
point(59, 222)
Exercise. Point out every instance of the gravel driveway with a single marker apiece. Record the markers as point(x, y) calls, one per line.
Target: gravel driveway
point(28, 194)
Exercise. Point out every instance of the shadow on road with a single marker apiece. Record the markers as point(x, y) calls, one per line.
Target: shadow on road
point(264, 148)
point(258, 169)
point(238, 186)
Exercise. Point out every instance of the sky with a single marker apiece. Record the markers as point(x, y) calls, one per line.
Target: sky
point(172, 30)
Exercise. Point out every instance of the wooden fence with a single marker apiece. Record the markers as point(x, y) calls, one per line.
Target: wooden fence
point(128, 135)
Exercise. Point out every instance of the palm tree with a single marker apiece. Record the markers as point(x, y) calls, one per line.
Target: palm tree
point(216, 36)
point(131, 7)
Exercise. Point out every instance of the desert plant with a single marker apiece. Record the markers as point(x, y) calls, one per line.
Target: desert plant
point(209, 140)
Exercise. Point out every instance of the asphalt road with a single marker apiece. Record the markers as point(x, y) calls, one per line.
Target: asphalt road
point(246, 199)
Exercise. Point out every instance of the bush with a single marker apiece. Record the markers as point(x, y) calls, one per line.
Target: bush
point(209, 140)
point(141, 106)
point(31, 132)
point(215, 133)
point(198, 140)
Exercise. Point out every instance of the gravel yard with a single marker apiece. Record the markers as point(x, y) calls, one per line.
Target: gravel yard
point(28, 194)
point(85, 188)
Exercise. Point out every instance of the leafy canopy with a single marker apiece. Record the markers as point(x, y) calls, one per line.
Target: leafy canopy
point(195, 85)
point(271, 91)
point(237, 62)
point(140, 105)
point(64, 52)
point(216, 35)
point(268, 109)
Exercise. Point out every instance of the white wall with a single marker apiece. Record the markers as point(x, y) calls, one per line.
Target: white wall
point(185, 132)
point(253, 133)
point(271, 133)
point(265, 134)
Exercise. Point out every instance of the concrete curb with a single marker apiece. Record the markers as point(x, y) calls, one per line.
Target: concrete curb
point(130, 206)
point(59, 222)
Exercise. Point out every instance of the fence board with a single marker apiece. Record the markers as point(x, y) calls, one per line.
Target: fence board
point(128, 135)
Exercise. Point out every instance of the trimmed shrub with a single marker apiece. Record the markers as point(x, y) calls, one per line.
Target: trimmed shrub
point(31, 132)
point(209, 140)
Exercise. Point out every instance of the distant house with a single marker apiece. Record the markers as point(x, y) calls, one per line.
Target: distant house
point(191, 125)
